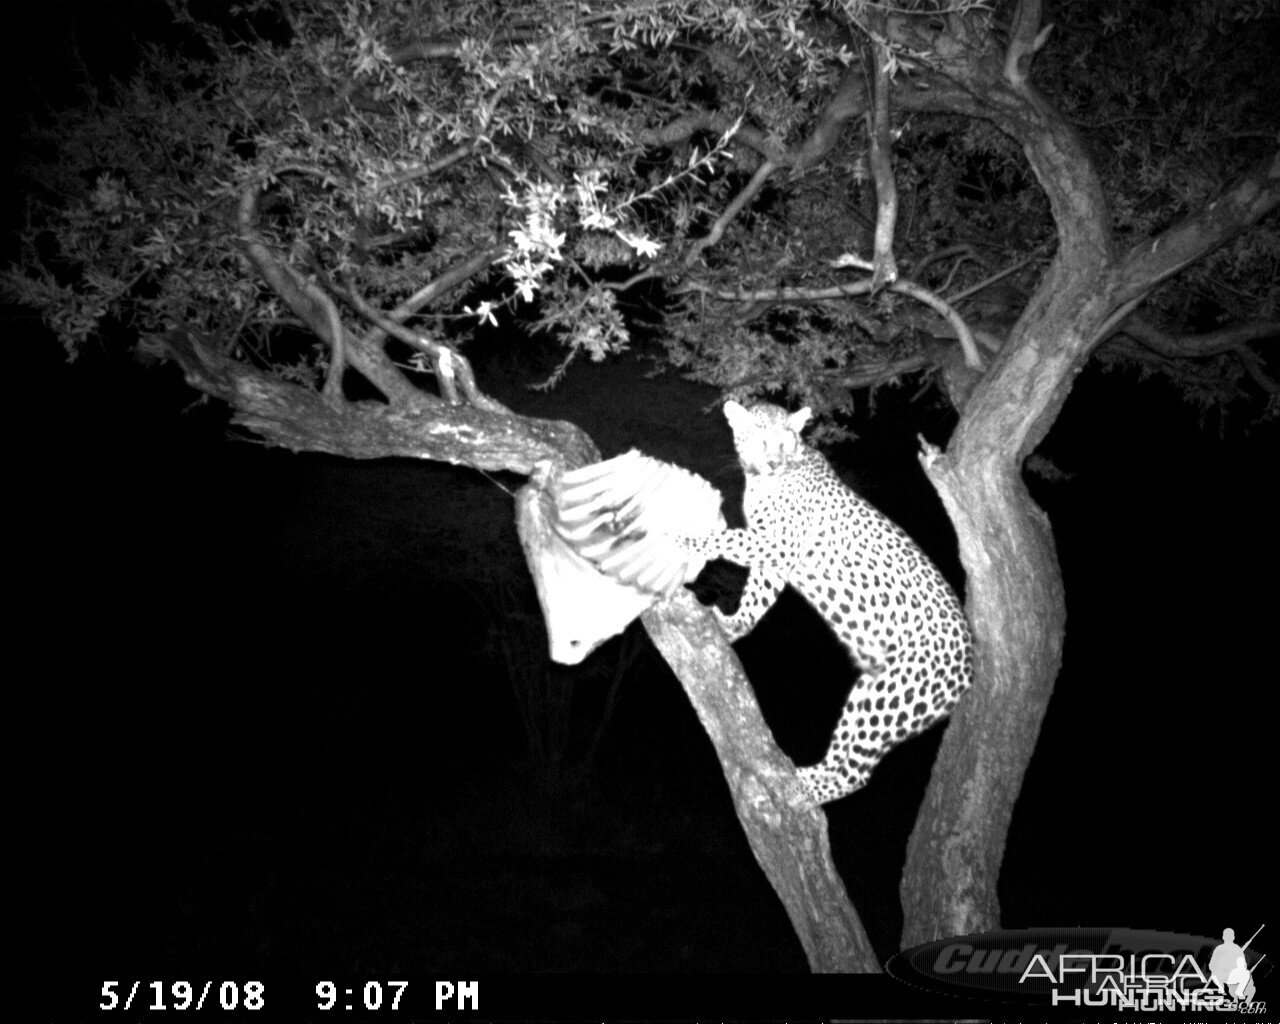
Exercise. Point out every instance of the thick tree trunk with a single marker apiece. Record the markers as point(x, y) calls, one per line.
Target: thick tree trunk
point(1015, 597)
point(1016, 602)
point(1014, 592)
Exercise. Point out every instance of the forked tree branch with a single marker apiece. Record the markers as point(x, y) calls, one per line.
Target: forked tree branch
point(317, 311)
point(456, 379)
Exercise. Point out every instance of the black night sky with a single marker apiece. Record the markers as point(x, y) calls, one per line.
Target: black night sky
point(263, 717)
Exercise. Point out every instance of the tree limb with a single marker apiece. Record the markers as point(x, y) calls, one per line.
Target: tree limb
point(452, 369)
point(885, 269)
point(716, 122)
point(444, 283)
point(972, 357)
point(868, 374)
point(1025, 38)
point(317, 311)
point(787, 833)
point(846, 102)
point(732, 210)
point(300, 419)
point(1249, 198)
point(1196, 346)
point(962, 250)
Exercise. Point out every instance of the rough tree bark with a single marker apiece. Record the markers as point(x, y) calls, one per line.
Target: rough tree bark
point(1015, 595)
point(786, 831)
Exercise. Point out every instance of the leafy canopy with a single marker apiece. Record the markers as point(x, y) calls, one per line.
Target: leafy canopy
point(595, 151)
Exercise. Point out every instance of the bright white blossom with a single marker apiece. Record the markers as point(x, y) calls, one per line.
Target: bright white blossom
point(643, 245)
point(483, 311)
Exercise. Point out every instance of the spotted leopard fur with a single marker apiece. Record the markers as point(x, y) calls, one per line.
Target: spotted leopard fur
point(887, 603)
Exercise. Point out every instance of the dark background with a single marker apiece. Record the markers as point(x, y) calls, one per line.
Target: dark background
point(270, 725)
point(262, 719)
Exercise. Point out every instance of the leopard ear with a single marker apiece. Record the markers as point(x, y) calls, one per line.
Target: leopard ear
point(799, 419)
point(735, 413)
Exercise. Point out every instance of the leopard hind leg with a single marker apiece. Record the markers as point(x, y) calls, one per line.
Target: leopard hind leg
point(874, 721)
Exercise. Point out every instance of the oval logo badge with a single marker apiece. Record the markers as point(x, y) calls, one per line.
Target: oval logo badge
point(1122, 968)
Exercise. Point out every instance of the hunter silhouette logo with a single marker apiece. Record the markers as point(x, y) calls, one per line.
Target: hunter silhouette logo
point(1229, 971)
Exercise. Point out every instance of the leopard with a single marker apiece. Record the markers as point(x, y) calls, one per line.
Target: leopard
point(890, 607)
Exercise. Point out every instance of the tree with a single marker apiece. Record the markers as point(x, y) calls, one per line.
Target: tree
point(310, 207)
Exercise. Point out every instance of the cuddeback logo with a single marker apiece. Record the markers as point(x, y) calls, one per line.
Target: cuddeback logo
point(1120, 968)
